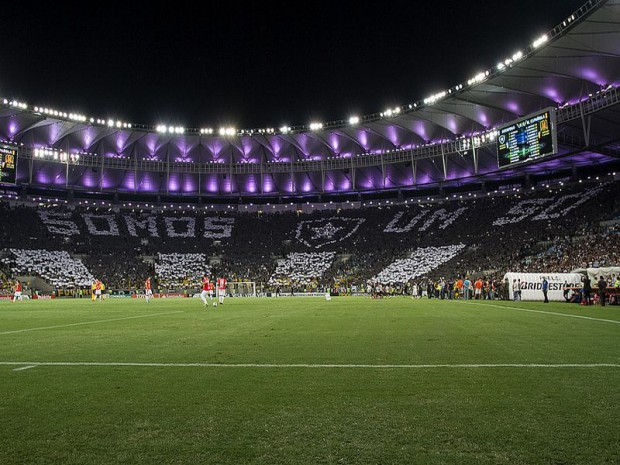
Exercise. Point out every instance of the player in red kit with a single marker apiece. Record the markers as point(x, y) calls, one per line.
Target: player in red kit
point(18, 292)
point(98, 289)
point(148, 292)
point(210, 290)
point(221, 289)
point(207, 290)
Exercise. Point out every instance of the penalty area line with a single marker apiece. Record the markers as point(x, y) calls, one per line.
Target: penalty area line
point(88, 322)
point(312, 365)
point(567, 315)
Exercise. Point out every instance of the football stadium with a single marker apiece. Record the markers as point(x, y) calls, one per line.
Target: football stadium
point(434, 283)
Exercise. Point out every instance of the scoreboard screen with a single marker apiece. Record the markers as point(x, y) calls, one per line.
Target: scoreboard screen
point(8, 164)
point(527, 139)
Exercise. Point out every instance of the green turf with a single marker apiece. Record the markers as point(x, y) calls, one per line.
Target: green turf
point(309, 414)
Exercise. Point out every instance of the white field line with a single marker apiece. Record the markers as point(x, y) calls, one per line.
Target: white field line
point(88, 322)
point(545, 312)
point(313, 365)
point(24, 368)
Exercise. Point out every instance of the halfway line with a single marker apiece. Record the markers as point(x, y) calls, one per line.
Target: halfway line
point(89, 322)
point(310, 365)
point(545, 312)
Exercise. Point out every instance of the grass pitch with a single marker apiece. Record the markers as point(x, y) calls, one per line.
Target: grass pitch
point(305, 381)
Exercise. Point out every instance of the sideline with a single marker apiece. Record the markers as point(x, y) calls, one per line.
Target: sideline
point(311, 365)
point(567, 315)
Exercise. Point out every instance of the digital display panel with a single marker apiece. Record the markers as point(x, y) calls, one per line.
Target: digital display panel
point(8, 164)
point(527, 139)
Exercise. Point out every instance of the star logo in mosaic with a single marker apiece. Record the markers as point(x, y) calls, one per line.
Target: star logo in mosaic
point(320, 233)
point(326, 232)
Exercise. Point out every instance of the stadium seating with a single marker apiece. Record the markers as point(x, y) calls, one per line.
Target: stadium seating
point(301, 269)
point(56, 267)
point(421, 262)
point(538, 230)
point(181, 270)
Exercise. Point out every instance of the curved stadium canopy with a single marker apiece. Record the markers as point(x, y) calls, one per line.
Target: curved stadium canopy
point(446, 139)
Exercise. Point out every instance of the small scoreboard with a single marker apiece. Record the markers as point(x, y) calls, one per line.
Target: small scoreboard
point(8, 164)
point(527, 139)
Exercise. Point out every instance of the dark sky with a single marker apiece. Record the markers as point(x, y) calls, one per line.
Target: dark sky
point(259, 65)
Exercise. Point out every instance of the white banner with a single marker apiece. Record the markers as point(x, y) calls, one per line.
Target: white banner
point(531, 284)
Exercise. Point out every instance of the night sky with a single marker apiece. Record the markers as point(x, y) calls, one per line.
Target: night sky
point(255, 66)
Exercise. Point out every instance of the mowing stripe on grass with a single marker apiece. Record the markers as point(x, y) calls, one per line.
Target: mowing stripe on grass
point(545, 312)
point(88, 322)
point(314, 365)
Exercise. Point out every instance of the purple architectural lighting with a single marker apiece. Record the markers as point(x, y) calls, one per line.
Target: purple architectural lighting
point(174, 182)
point(121, 138)
point(552, 93)
point(189, 183)
point(153, 182)
point(211, 183)
point(514, 107)
point(250, 184)
point(89, 179)
point(227, 186)
point(128, 182)
point(579, 75)
point(362, 138)
point(112, 178)
point(268, 184)
point(393, 135)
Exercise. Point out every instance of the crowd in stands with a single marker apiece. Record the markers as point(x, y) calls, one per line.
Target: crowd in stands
point(421, 262)
point(181, 270)
point(586, 249)
point(55, 267)
point(6, 284)
point(301, 269)
point(397, 245)
point(119, 271)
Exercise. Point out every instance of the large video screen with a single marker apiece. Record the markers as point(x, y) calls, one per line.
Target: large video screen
point(530, 138)
point(8, 164)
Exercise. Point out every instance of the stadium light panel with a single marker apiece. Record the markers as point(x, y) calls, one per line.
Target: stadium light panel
point(540, 41)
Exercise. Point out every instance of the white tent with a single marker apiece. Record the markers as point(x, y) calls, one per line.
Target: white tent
point(609, 272)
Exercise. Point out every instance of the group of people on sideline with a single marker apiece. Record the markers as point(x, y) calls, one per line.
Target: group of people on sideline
point(587, 295)
point(461, 287)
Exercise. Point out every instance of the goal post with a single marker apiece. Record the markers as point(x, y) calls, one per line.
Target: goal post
point(241, 289)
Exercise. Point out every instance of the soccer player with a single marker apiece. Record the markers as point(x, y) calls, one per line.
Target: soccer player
point(148, 292)
point(210, 290)
point(221, 289)
point(98, 289)
point(478, 288)
point(207, 290)
point(18, 292)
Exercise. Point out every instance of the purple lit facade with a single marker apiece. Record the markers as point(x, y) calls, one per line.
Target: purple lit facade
point(344, 158)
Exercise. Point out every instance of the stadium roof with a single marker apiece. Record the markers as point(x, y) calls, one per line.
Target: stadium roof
point(445, 138)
